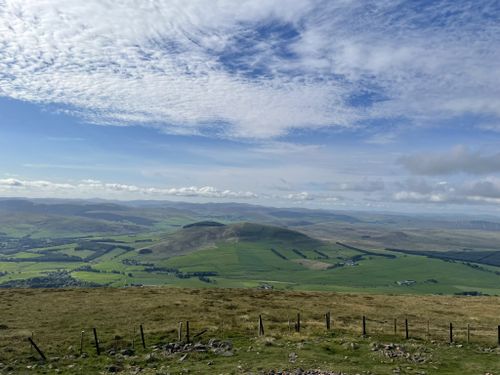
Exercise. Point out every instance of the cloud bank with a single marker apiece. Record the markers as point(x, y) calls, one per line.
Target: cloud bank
point(94, 188)
point(253, 69)
point(460, 159)
point(483, 191)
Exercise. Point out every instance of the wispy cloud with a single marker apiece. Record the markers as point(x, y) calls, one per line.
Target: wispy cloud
point(460, 159)
point(252, 68)
point(65, 139)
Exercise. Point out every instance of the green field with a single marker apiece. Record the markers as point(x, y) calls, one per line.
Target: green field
point(71, 243)
point(245, 255)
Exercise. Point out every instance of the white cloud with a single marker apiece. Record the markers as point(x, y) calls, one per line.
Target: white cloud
point(165, 63)
point(483, 191)
point(153, 63)
point(93, 188)
point(302, 196)
point(305, 196)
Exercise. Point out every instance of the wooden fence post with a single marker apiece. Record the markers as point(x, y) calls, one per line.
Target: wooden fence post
point(364, 325)
point(327, 320)
point(297, 325)
point(81, 341)
point(37, 348)
point(407, 333)
point(428, 330)
point(96, 342)
point(261, 326)
point(395, 326)
point(451, 333)
point(133, 337)
point(179, 332)
point(142, 337)
point(468, 333)
point(187, 331)
point(498, 333)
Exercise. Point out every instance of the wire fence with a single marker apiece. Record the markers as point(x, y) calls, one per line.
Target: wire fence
point(394, 329)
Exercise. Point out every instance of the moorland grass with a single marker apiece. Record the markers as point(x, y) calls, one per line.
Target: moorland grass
point(57, 317)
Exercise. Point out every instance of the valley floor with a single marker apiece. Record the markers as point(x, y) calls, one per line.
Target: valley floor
point(55, 318)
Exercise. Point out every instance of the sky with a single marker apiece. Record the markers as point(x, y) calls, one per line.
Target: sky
point(366, 105)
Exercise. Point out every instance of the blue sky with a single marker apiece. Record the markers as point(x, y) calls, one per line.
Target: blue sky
point(386, 105)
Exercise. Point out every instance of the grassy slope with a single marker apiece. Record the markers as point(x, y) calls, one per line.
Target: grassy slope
point(254, 261)
point(57, 317)
point(242, 258)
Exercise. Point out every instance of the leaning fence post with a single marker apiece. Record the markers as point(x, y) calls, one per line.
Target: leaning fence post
point(142, 337)
point(96, 341)
point(364, 325)
point(451, 333)
point(37, 348)
point(261, 326)
point(407, 334)
point(200, 333)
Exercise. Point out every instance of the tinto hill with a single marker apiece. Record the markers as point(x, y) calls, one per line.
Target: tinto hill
point(207, 234)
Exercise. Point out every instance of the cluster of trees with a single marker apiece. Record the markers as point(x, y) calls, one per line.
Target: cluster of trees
point(201, 275)
point(99, 248)
point(133, 262)
point(277, 253)
point(57, 279)
point(27, 243)
point(299, 253)
point(321, 254)
point(47, 257)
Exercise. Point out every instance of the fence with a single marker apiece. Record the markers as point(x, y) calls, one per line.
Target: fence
point(394, 329)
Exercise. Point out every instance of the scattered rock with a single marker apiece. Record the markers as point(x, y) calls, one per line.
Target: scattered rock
point(398, 351)
point(150, 357)
point(302, 372)
point(114, 368)
point(128, 352)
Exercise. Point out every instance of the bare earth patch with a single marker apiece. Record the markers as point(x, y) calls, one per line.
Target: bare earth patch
point(313, 264)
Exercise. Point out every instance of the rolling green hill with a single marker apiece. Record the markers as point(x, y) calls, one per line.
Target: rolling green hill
point(214, 254)
point(64, 243)
point(202, 235)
